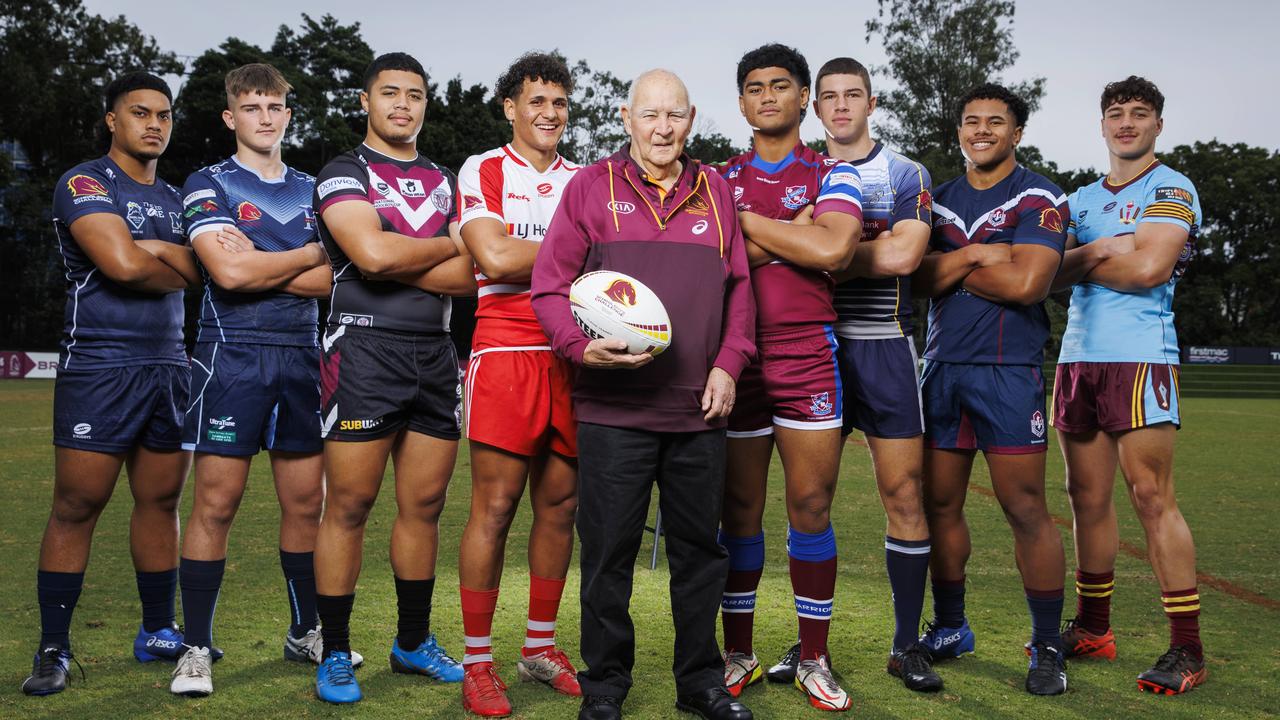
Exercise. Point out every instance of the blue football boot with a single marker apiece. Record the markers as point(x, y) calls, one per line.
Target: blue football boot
point(948, 642)
point(336, 680)
point(163, 644)
point(428, 659)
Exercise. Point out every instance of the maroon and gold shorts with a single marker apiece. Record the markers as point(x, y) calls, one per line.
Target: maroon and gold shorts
point(1114, 396)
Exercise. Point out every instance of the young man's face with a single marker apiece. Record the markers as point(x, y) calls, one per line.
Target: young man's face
point(772, 100)
point(988, 132)
point(258, 120)
point(141, 123)
point(844, 105)
point(538, 114)
point(397, 105)
point(1131, 128)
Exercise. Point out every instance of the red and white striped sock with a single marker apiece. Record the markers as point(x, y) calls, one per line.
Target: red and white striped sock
point(477, 624)
point(544, 604)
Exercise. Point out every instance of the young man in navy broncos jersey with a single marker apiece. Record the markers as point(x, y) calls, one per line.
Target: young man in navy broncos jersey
point(998, 237)
point(122, 375)
point(389, 373)
point(256, 371)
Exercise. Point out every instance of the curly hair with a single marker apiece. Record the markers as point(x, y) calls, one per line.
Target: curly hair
point(547, 67)
point(991, 91)
point(1130, 89)
point(774, 55)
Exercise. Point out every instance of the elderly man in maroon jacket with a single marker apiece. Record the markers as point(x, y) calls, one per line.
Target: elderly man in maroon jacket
point(653, 213)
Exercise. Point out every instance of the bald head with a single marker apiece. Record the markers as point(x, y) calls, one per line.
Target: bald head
point(657, 79)
point(658, 118)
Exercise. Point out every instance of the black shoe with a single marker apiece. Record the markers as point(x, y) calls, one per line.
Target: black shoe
point(1176, 672)
point(713, 704)
point(50, 671)
point(915, 666)
point(600, 707)
point(785, 670)
point(1047, 672)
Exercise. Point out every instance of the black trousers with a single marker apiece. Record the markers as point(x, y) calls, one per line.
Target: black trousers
point(616, 471)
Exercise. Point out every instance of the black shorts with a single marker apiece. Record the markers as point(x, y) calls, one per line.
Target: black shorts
point(113, 410)
point(377, 382)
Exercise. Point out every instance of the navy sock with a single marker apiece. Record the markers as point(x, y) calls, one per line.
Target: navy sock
point(907, 562)
point(948, 602)
point(413, 597)
point(300, 581)
point(201, 583)
point(57, 593)
point(157, 591)
point(335, 621)
point(1046, 616)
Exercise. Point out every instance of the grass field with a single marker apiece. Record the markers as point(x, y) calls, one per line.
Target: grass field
point(1227, 469)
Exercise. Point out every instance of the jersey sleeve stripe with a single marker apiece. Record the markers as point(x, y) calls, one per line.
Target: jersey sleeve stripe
point(491, 184)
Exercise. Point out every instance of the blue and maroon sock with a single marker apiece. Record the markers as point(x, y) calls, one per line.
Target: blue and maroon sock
point(813, 580)
point(738, 603)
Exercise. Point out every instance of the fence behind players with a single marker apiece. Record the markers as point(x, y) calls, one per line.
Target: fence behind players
point(1220, 381)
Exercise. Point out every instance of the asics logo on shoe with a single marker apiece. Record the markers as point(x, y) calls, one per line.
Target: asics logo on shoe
point(942, 642)
point(154, 641)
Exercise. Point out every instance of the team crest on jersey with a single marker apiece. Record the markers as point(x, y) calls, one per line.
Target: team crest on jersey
point(820, 404)
point(83, 185)
point(735, 172)
point(997, 217)
point(133, 213)
point(411, 187)
point(794, 197)
point(737, 193)
point(829, 161)
point(442, 200)
point(1051, 220)
point(308, 216)
point(248, 212)
point(696, 205)
point(1037, 424)
point(470, 202)
point(1129, 213)
point(924, 200)
point(175, 225)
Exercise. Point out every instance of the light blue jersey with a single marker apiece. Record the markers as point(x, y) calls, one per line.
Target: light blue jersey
point(1105, 325)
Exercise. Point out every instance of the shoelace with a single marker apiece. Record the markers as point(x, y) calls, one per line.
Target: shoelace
point(438, 654)
point(193, 664)
point(560, 660)
point(491, 686)
point(1041, 652)
point(339, 672)
point(1169, 661)
point(51, 658)
point(915, 660)
point(825, 677)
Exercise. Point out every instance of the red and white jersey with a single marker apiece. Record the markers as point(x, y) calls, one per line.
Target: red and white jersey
point(501, 185)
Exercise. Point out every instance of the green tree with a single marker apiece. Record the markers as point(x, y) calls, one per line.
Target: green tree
point(595, 127)
point(462, 123)
point(937, 50)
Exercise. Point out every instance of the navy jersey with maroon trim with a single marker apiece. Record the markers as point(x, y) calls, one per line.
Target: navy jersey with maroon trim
point(106, 324)
point(1022, 209)
point(276, 215)
point(414, 198)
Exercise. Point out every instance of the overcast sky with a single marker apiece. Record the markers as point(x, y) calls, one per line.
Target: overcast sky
point(1216, 62)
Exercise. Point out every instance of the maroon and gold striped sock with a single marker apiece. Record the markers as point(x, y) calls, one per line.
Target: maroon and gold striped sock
point(1182, 607)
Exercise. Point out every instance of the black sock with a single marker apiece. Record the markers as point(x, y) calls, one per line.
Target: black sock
point(414, 600)
point(201, 583)
point(300, 581)
point(57, 593)
point(907, 562)
point(948, 602)
point(335, 622)
point(157, 591)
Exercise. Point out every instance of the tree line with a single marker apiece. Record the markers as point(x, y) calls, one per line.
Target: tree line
point(57, 57)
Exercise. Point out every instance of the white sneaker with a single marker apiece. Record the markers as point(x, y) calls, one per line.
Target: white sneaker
point(815, 679)
point(193, 676)
point(741, 670)
point(310, 648)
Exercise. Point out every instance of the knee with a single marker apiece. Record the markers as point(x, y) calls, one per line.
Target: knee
point(1149, 502)
point(902, 499)
point(560, 511)
point(215, 513)
point(496, 514)
point(1087, 501)
point(348, 510)
point(811, 511)
point(424, 507)
point(73, 508)
point(305, 510)
point(1026, 515)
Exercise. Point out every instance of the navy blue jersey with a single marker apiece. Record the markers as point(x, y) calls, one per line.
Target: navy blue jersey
point(276, 215)
point(1022, 209)
point(108, 325)
point(415, 198)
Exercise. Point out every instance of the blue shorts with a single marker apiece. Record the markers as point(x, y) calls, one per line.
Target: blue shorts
point(881, 387)
point(114, 410)
point(997, 409)
point(248, 397)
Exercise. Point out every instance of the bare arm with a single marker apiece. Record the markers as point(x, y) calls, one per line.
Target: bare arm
point(893, 253)
point(106, 240)
point(454, 276)
point(1025, 280)
point(1079, 260)
point(940, 272)
point(357, 229)
point(1157, 247)
point(178, 257)
point(828, 244)
point(313, 283)
point(501, 257)
point(254, 270)
point(757, 256)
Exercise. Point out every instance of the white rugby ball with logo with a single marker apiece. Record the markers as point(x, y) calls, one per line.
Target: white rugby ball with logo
point(609, 304)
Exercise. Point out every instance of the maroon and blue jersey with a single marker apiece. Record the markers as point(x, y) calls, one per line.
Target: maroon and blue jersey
point(106, 324)
point(276, 215)
point(793, 301)
point(415, 198)
point(1022, 209)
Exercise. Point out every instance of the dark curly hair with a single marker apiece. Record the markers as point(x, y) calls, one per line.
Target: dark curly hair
point(991, 91)
point(1130, 89)
point(134, 81)
point(774, 55)
point(393, 61)
point(547, 67)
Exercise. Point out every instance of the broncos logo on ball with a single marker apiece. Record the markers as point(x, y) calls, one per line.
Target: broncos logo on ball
point(621, 291)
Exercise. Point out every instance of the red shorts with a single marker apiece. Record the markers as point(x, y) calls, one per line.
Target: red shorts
point(794, 384)
point(520, 401)
point(1114, 396)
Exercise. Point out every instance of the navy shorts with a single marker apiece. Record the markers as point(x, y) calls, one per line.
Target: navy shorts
point(249, 397)
point(377, 382)
point(113, 410)
point(881, 387)
point(998, 409)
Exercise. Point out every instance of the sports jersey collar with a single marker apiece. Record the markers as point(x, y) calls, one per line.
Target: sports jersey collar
point(875, 150)
point(120, 174)
point(284, 174)
point(416, 155)
point(519, 159)
point(1106, 179)
point(771, 168)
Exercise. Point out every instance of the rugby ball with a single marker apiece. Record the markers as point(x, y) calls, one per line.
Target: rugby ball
point(609, 304)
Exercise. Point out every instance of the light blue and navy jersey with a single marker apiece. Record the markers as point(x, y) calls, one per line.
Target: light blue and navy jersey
point(1022, 209)
point(276, 215)
point(894, 188)
point(108, 325)
point(1105, 325)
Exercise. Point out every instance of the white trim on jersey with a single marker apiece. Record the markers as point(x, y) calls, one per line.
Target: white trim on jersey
point(1010, 204)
